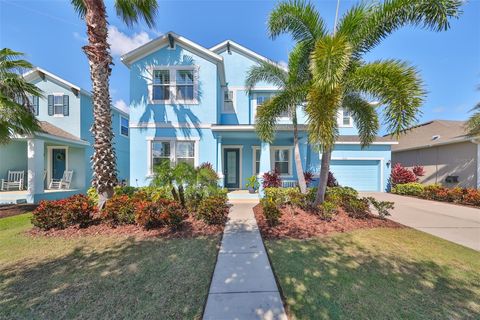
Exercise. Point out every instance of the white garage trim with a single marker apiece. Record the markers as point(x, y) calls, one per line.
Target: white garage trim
point(382, 161)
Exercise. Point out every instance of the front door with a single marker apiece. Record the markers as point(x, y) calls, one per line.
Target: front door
point(231, 165)
point(58, 163)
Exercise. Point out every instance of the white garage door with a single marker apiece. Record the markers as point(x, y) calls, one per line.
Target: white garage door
point(362, 175)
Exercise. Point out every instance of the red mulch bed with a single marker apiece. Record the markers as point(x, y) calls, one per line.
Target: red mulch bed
point(9, 210)
point(191, 227)
point(298, 224)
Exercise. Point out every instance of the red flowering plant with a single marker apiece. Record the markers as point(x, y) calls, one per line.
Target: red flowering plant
point(400, 175)
point(419, 171)
point(271, 179)
point(308, 175)
point(331, 181)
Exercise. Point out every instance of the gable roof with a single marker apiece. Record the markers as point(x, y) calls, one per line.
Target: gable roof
point(38, 72)
point(432, 133)
point(222, 46)
point(149, 47)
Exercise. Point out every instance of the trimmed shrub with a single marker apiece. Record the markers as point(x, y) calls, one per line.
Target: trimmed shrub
point(357, 207)
point(213, 210)
point(271, 180)
point(151, 214)
point(401, 175)
point(77, 209)
point(409, 189)
point(271, 211)
point(471, 197)
point(125, 190)
point(120, 209)
point(340, 195)
point(328, 210)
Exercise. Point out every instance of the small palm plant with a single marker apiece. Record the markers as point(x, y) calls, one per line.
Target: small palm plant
point(98, 52)
point(16, 110)
point(292, 92)
point(341, 78)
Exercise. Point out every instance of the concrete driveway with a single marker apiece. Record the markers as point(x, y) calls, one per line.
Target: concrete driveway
point(455, 223)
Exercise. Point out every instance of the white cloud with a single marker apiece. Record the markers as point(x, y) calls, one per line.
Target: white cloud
point(120, 104)
point(121, 43)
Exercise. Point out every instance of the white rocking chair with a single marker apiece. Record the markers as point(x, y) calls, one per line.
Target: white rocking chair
point(14, 179)
point(63, 183)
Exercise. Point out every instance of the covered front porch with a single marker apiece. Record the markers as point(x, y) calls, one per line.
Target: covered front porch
point(241, 154)
point(40, 160)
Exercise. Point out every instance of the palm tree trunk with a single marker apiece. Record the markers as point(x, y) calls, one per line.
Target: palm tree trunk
point(296, 150)
point(99, 59)
point(322, 184)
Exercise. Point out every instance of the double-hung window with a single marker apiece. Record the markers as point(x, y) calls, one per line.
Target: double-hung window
point(228, 98)
point(281, 160)
point(124, 126)
point(58, 105)
point(161, 85)
point(172, 151)
point(174, 85)
point(256, 160)
point(184, 84)
point(346, 118)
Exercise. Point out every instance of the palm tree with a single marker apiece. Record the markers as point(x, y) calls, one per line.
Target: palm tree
point(292, 94)
point(98, 53)
point(16, 110)
point(341, 78)
point(473, 123)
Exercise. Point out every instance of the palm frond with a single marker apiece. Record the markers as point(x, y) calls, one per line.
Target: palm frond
point(329, 60)
point(267, 72)
point(299, 64)
point(369, 25)
point(297, 17)
point(364, 115)
point(131, 11)
point(396, 85)
point(473, 123)
point(321, 109)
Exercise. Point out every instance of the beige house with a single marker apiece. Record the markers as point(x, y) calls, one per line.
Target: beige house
point(449, 156)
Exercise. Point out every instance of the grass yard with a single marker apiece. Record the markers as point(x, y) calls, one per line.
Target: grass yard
point(102, 277)
point(377, 274)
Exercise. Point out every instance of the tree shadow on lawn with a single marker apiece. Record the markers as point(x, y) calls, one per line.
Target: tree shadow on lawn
point(337, 278)
point(149, 278)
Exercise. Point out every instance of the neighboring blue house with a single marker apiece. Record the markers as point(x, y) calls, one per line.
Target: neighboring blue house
point(189, 103)
point(65, 143)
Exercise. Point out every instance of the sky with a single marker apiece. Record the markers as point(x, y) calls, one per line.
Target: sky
point(51, 35)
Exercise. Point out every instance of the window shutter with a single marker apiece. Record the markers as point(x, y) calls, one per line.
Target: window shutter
point(50, 104)
point(35, 104)
point(65, 106)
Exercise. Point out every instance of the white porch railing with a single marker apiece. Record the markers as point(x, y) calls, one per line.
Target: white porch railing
point(289, 183)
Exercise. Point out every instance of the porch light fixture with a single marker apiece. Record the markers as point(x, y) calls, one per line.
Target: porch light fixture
point(171, 41)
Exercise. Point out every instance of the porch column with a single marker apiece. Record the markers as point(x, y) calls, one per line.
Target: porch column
point(220, 163)
point(36, 167)
point(265, 164)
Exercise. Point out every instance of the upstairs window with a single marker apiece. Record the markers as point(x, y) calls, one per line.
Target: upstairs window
point(58, 105)
point(346, 118)
point(228, 106)
point(264, 97)
point(123, 126)
point(184, 81)
point(161, 85)
point(176, 84)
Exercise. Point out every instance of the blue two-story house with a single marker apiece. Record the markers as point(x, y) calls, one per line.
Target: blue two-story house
point(189, 103)
point(64, 143)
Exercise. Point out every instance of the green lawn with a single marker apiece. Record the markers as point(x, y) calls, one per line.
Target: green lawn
point(377, 274)
point(100, 277)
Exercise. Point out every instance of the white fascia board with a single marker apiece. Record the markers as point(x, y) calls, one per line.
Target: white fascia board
point(35, 72)
point(246, 51)
point(375, 142)
point(155, 44)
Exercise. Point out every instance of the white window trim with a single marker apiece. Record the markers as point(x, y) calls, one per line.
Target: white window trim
point(234, 101)
point(172, 141)
point(57, 115)
point(120, 126)
point(49, 161)
point(255, 105)
point(254, 160)
point(240, 161)
point(173, 84)
point(290, 158)
point(340, 120)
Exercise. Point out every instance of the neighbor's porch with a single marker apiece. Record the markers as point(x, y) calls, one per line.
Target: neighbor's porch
point(41, 160)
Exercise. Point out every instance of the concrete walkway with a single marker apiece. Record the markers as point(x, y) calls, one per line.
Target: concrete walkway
point(452, 222)
point(243, 285)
